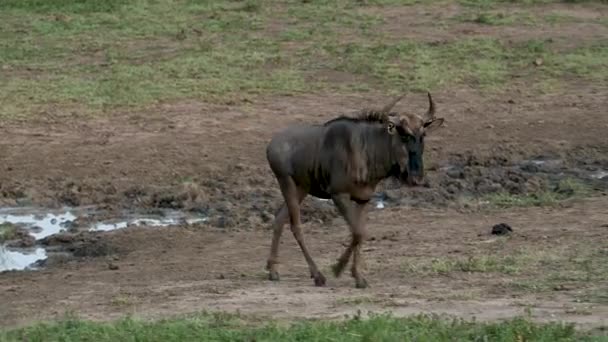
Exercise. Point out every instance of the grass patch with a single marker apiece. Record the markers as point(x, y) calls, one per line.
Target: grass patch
point(599, 296)
point(575, 268)
point(493, 3)
point(80, 6)
point(222, 327)
point(8, 232)
point(470, 264)
point(498, 18)
point(356, 300)
point(88, 57)
point(574, 264)
point(563, 190)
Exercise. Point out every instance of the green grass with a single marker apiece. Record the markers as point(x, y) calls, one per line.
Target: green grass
point(582, 268)
point(222, 327)
point(508, 264)
point(498, 18)
point(563, 190)
point(493, 3)
point(8, 231)
point(574, 264)
point(83, 57)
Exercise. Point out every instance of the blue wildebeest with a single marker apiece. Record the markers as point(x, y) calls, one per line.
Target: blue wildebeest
point(343, 160)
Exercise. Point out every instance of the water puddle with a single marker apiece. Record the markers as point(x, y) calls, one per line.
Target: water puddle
point(600, 174)
point(44, 223)
point(151, 222)
point(20, 260)
point(39, 225)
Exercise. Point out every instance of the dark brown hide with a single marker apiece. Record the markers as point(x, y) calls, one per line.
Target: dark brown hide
point(343, 160)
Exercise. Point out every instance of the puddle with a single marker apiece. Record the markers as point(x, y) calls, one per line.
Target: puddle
point(43, 223)
point(39, 225)
point(19, 260)
point(166, 221)
point(600, 174)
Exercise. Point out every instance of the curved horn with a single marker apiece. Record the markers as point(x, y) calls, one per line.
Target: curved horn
point(431, 112)
point(391, 104)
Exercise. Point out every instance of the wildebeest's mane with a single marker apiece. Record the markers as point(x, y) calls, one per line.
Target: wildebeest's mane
point(366, 116)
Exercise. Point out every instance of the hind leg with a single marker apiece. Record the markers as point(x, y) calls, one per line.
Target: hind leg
point(279, 223)
point(290, 193)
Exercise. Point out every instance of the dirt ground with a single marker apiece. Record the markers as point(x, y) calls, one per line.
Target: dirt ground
point(211, 158)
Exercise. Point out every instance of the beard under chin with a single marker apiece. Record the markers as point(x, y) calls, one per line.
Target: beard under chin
point(402, 178)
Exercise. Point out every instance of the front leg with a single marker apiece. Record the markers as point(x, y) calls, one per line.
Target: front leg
point(354, 214)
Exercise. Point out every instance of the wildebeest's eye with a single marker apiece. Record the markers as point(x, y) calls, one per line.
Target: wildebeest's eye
point(407, 138)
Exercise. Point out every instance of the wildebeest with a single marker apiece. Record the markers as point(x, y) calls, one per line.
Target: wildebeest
point(343, 160)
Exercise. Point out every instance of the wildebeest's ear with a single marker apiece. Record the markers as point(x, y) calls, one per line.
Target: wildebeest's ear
point(433, 124)
point(390, 127)
point(391, 124)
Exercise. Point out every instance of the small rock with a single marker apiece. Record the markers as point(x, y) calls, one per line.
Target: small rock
point(225, 222)
point(561, 287)
point(112, 266)
point(221, 276)
point(501, 229)
point(456, 173)
point(538, 62)
point(267, 216)
point(36, 229)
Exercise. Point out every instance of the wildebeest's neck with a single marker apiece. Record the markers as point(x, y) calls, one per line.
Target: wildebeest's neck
point(378, 147)
point(365, 148)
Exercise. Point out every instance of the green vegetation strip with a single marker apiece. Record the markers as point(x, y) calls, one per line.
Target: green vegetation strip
point(83, 56)
point(222, 327)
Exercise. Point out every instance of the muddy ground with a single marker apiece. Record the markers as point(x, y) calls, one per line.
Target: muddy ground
point(211, 159)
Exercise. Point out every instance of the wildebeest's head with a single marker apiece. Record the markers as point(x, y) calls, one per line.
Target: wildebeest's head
point(408, 132)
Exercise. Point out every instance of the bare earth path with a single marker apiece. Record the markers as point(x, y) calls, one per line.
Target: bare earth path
point(181, 270)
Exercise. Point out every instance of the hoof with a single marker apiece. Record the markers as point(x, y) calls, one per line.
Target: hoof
point(319, 280)
point(337, 269)
point(361, 283)
point(273, 276)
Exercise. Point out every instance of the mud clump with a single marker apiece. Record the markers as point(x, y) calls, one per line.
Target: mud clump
point(467, 175)
point(54, 259)
point(81, 245)
point(501, 229)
